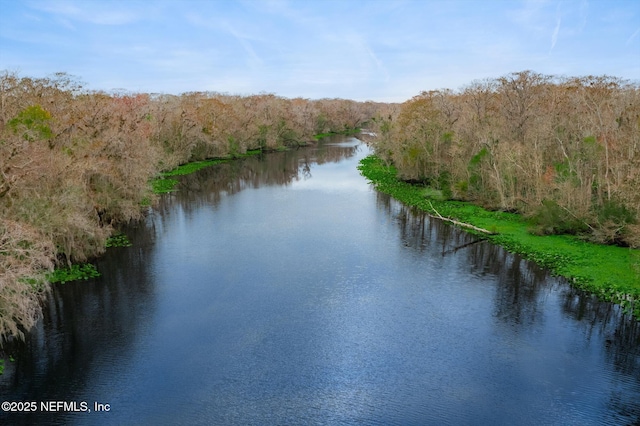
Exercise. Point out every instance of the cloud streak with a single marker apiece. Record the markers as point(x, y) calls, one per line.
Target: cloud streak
point(633, 36)
point(89, 12)
point(253, 59)
point(556, 30)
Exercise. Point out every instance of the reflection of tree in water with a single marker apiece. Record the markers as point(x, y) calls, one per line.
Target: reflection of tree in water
point(421, 233)
point(620, 331)
point(621, 335)
point(520, 282)
point(518, 299)
point(209, 185)
point(305, 169)
point(83, 322)
point(521, 289)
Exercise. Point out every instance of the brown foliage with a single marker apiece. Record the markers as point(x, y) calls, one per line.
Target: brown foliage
point(74, 164)
point(24, 257)
point(513, 142)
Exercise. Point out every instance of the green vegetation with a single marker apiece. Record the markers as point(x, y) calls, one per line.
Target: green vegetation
point(11, 359)
point(77, 163)
point(345, 132)
point(322, 135)
point(33, 123)
point(165, 184)
point(83, 271)
point(118, 240)
point(562, 151)
point(73, 273)
point(611, 272)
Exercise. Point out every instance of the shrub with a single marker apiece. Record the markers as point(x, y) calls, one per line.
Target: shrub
point(614, 224)
point(550, 218)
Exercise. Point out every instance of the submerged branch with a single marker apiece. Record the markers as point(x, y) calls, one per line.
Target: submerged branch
point(455, 249)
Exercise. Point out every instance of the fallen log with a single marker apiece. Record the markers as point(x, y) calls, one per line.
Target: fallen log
point(456, 222)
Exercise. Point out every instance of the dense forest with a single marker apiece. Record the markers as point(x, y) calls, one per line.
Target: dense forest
point(565, 152)
point(76, 163)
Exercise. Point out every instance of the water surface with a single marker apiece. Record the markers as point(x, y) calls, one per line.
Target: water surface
point(284, 290)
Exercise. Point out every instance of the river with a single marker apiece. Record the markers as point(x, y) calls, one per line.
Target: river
point(285, 290)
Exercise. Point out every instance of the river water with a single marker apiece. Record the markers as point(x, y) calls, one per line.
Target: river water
point(285, 290)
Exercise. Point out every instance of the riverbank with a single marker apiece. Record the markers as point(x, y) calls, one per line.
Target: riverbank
point(77, 164)
point(610, 272)
point(163, 184)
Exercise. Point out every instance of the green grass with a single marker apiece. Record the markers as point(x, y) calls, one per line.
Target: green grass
point(346, 132)
point(165, 184)
point(322, 135)
point(189, 168)
point(611, 272)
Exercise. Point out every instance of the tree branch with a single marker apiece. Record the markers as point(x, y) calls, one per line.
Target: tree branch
point(456, 222)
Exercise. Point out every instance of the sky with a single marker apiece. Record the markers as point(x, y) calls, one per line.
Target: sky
point(379, 50)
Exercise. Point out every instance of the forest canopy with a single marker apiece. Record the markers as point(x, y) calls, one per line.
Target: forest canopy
point(75, 163)
point(564, 151)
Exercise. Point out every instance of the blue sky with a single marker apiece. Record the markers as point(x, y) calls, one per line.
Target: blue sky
point(381, 50)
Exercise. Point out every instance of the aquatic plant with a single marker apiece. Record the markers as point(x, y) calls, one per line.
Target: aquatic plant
point(610, 272)
point(75, 163)
point(165, 184)
point(118, 240)
point(73, 273)
point(11, 359)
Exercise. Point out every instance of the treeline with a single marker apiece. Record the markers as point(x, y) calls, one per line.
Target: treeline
point(565, 152)
point(75, 163)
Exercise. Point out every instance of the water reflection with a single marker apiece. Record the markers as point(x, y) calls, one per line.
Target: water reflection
point(102, 321)
point(523, 293)
point(86, 324)
point(211, 185)
point(283, 290)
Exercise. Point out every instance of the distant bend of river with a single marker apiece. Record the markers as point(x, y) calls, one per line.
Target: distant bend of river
point(285, 290)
